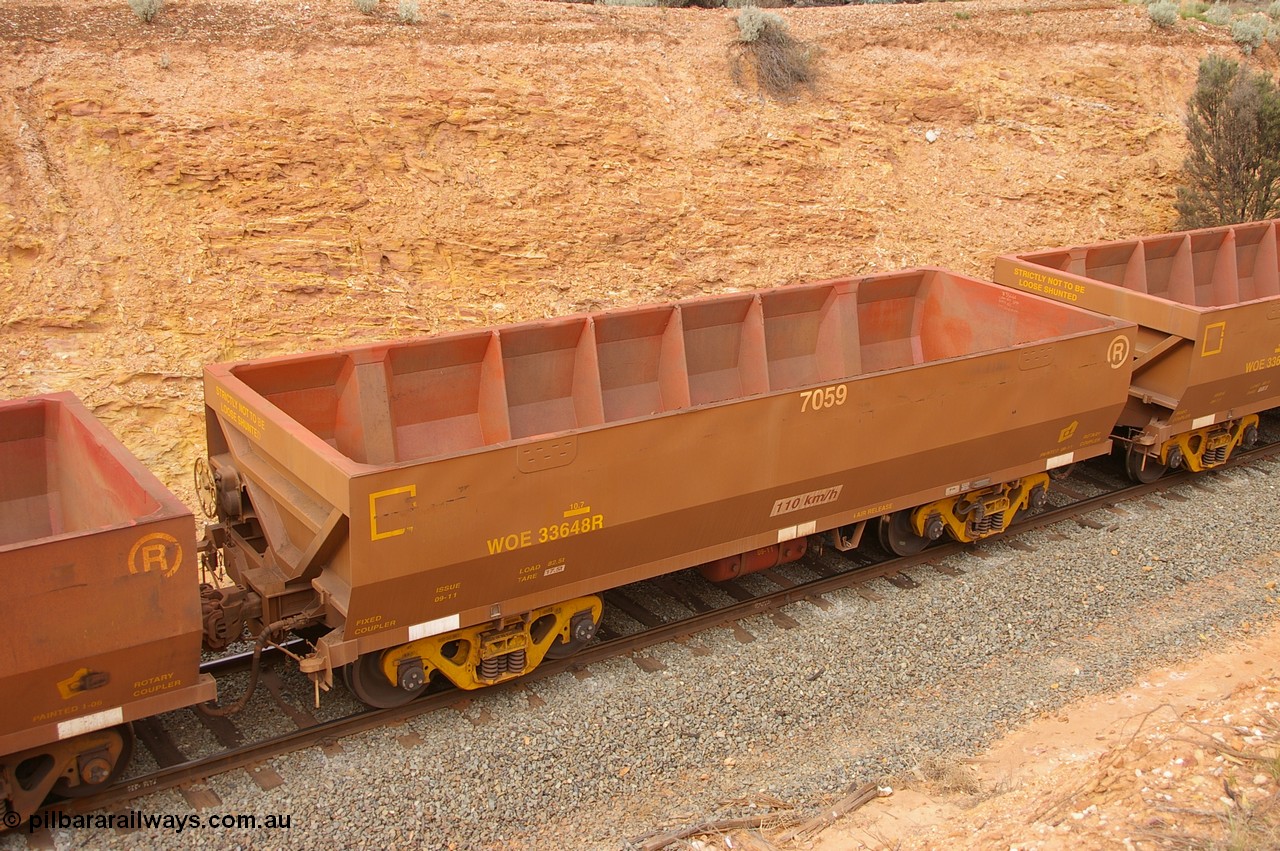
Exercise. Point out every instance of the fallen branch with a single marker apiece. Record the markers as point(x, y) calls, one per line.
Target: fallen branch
point(662, 840)
point(850, 802)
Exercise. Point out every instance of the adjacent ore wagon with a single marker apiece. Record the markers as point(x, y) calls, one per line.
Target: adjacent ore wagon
point(1207, 360)
point(100, 612)
point(455, 505)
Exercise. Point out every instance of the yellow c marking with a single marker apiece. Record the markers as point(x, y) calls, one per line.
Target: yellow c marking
point(1217, 332)
point(374, 534)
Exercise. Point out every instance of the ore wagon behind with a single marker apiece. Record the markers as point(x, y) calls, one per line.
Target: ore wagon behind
point(1207, 358)
point(100, 613)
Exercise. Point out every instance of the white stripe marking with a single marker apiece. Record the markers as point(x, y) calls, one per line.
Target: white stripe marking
point(1201, 422)
point(89, 723)
point(426, 629)
point(806, 528)
point(1059, 461)
point(787, 534)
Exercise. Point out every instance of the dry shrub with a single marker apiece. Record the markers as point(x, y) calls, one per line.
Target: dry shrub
point(780, 63)
point(408, 12)
point(949, 776)
point(146, 9)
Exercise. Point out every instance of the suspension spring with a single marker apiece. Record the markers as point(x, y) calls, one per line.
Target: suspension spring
point(515, 661)
point(491, 668)
point(984, 526)
point(1214, 457)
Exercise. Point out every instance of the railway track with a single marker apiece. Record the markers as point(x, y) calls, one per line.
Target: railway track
point(637, 619)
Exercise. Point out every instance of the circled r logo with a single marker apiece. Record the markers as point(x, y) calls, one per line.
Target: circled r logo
point(1118, 352)
point(156, 553)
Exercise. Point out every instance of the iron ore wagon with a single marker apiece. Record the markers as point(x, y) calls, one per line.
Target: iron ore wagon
point(454, 506)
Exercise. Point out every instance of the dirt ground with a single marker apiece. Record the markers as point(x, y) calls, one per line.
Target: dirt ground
point(1187, 758)
point(243, 178)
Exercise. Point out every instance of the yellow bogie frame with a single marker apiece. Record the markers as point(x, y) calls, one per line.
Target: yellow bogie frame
point(488, 653)
point(980, 513)
point(1208, 447)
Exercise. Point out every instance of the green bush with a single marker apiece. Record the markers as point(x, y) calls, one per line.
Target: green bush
point(1164, 13)
point(366, 6)
point(1232, 173)
point(1273, 11)
point(1250, 32)
point(1219, 14)
point(146, 9)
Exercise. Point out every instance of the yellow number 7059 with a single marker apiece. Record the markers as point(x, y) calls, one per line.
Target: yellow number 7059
point(823, 397)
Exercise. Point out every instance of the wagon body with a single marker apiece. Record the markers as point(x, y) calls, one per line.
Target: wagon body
point(414, 487)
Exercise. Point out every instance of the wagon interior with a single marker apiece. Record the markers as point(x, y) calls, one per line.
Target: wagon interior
point(58, 478)
point(435, 397)
point(1201, 269)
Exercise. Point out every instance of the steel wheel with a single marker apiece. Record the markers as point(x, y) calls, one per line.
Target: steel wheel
point(1143, 469)
point(124, 734)
point(583, 630)
point(897, 536)
point(367, 682)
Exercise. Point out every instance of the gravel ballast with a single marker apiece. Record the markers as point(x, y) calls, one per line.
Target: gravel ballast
point(861, 690)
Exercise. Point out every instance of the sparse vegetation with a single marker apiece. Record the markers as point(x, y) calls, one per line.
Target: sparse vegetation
point(408, 12)
point(1273, 11)
point(780, 62)
point(1219, 14)
point(1232, 173)
point(1195, 11)
point(1250, 32)
point(949, 775)
point(146, 9)
point(752, 22)
point(366, 7)
point(1163, 13)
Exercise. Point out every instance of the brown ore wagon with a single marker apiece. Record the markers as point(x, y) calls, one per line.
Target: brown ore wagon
point(455, 505)
point(100, 611)
point(1207, 304)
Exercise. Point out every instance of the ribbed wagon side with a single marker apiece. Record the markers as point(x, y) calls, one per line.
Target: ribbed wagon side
point(455, 505)
point(1207, 359)
point(101, 610)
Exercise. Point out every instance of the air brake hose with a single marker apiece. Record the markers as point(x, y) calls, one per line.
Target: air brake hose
point(255, 669)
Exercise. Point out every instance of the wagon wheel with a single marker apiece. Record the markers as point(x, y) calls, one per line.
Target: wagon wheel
point(1141, 468)
point(897, 536)
point(106, 773)
point(365, 679)
point(582, 632)
point(206, 488)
